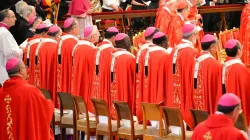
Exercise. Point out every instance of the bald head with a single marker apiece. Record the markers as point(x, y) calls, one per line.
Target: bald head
point(16, 67)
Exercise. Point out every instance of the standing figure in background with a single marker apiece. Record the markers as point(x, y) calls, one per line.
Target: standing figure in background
point(81, 9)
point(138, 23)
point(9, 47)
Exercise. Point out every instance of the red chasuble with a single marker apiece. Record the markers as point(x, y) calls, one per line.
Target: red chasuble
point(163, 18)
point(45, 66)
point(207, 82)
point(25, 113)
point(217, 127)
point(64, 70)
point(29, 57)
point(82, 70)
point(122, 78)
point(153, 82)
point(175, 30)
point(179, 91)
point(101, 73)
point(244, 36)
point(236, 80)
point(138, 96)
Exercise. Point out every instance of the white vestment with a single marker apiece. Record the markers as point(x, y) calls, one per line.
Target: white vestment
point(8, 49)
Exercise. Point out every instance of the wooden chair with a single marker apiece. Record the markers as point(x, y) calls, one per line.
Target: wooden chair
point(198, 116)
point(126, 132)
point(86, 125)
point(173, 117)
point(235, 33)
point(151, 112)
point(241, 123)
point(103, 129)
point(67, 120)
point(224, 37)
point(56, 117)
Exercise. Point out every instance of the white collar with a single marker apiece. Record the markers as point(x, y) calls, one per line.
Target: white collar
point(167, 9)
point(180, 16)
point(107, 41)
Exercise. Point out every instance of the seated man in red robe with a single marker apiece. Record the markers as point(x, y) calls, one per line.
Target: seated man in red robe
point(45, 74)
point(180, 89)
point(30, 49)
point(65, 47)
point(140, 59)
point(25, 113)
point(177, 22)
point(236, 76)
point(83, 64)
point(207, 69)
point(122, 73)
point(102, 57)
point(164, 15)
point(221, 124)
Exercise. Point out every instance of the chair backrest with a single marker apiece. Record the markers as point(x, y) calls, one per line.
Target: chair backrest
point(241, 123)
point(198, 116)
point(235, 32)
point(100, 107)
point(173, 117)
point(224, 37)
point(66, 101)
point(129, 8)
point(123, 112)
point(80, 107)
point(46, 93)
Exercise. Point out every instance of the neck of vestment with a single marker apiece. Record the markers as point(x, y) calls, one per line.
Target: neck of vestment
point(4, 25)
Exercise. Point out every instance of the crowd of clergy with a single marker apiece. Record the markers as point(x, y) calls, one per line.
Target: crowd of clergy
point(170, 68)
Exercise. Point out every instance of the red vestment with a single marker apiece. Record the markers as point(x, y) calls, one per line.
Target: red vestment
point(175, 30)
point(236, 80)
point(163, 18)
point(153, 81)
point(138, 96)
point(101, 71)
point(64, 70)
point(45, 66)
point(25, 113)
point(217, 127)
point(29, 56)
point(244, 36)
point(122, 78)
point(82, 70)
point(179, 91)
point(207, 83)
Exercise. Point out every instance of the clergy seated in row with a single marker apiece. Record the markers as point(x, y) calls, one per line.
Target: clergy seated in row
point(9, 47)
point(122, 71)
point(164, 15)
point(101, 73)
point(179, 92)
point(207, 70)
point(45, 74)
point(177, 22)
point(236, 76)
point(140, 59)
point(220, 125)
point(83, 64)
point(30, 49)
point(66, 44)
point(25, 113)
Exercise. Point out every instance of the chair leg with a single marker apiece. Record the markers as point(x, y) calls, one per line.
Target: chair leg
point(63, 134)
point(97, 137)
point(87, 136)
point(77, 135)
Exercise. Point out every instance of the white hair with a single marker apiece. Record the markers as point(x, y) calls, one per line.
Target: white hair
point(26, 11)
point(19, 6)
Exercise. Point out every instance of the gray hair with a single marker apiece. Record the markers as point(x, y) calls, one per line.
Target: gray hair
point(3, 14)
point(27, 10)
point(20, 5)
point(187, 35)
